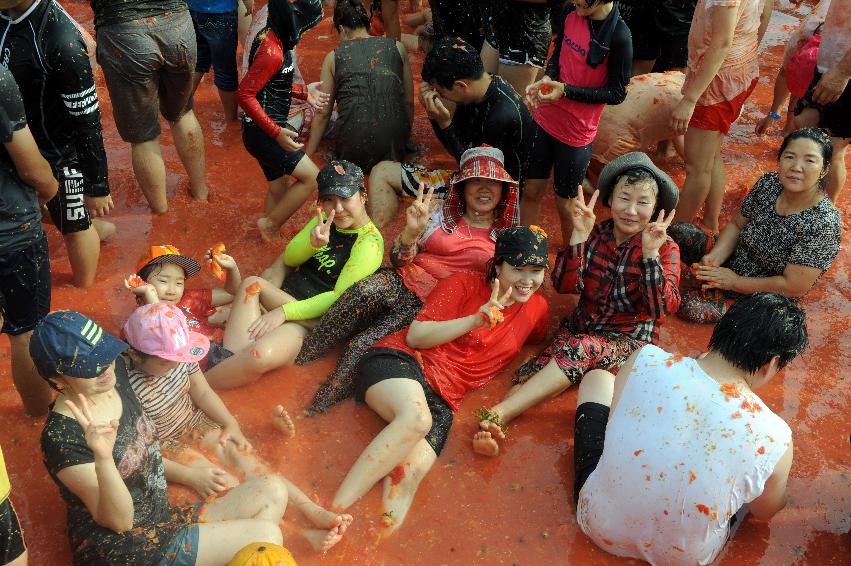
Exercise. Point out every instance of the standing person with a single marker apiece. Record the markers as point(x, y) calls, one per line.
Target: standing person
point(216, 37)
point(102, 452)
point(659, 34)
point(828, 100)
point(723, 69)
point(370, 80)
point(26, 180)
point(589, 68)
point(457, 19)
point(487, 112)
point(683, 448)
point(265, 94)
point(517, 40)
point(47, 56)
point(147, 51)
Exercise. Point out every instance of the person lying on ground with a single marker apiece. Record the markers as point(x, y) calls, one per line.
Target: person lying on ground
point(191, 419)
point(683, 448)
point(102, 452)
point(626, 271)
point(437, 241)
point(336, 249)
point(471, 327)
point(784, 237)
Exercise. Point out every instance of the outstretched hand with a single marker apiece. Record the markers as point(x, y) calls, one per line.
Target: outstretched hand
point(315, 97)
point(490, 313)
point(655, 234)
point(321, 233)
point(416, 216)
point(100, 436)
point(583, 217)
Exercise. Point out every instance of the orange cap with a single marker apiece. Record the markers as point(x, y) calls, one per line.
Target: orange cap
point(167, 254)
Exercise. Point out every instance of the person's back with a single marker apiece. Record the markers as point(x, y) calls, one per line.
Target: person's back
point(109, 12)
point(682, 454)
point(369, 91)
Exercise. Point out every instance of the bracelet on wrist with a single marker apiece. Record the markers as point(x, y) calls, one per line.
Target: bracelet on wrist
point(774, 115)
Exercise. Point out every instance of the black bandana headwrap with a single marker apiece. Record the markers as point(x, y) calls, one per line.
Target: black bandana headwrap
point(523, 245)
point(289, 20)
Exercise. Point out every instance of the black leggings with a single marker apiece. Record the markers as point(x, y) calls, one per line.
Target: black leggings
point(369, 310)
point(570, 163)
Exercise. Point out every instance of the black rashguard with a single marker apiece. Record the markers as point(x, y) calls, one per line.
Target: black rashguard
point(620, 64)
point(501, 120)
point(47, 56)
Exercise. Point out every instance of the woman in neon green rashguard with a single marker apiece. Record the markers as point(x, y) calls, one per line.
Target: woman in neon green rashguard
point(337, 248)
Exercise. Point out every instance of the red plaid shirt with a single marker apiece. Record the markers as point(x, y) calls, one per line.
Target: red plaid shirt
point(620, 291)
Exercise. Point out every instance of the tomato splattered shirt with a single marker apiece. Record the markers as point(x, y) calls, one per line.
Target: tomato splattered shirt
point(682, 455)
point(197, 305)
point(471, 360)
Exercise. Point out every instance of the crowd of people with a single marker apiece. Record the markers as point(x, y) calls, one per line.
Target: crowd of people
point(523, 95)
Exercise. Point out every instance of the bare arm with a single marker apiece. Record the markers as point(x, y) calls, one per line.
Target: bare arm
point(32, 168)
point(103, 492)
point(796, 281)
point(723, 25)
point(773, 497)
point(424, 334)
point(209, 401)
point(408, 83)
point(390, 16)
point(727, 240)
point(764, 18)
point(323, 114)
point(276, 272)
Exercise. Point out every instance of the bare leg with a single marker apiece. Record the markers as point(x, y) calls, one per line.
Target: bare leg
point(283, 422)
point(305, 183)
point(245, 463)
point(34, 391)
point(277, 189)
point(276, 349)
point(490, 58)
point(837, 173)
point(718, 186)
point(530, 205)
point(701, 147)
point(245, 310)
point(228, 99)
point(83, 253)
point(20, 560)
point(398, 497)
point(104, 229)
point(518, 76)
point(149, 169)
point(331, 526)
point(189, 142)
point(402, 403)
point(385, 188)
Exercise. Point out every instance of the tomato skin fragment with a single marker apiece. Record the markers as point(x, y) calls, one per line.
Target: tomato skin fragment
point(135, 281)
point(546, 89)
point(213, 268)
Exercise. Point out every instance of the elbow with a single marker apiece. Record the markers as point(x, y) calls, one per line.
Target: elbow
point(765, 513)
point(118, 525)
point(414, 342)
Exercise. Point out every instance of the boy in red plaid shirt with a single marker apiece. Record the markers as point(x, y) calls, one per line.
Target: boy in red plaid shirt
point(626, 271)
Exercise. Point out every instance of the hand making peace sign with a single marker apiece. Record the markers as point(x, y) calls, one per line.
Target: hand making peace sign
point(655, 234)
point(321, 233)
point(583, 217)
point(416, 216)
point(490, 312)
point(100, 436)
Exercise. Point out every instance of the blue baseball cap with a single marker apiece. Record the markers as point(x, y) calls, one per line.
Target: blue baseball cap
point(69, 343)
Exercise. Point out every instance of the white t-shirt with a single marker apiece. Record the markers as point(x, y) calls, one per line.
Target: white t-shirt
point(835, 35)
point(682, 454)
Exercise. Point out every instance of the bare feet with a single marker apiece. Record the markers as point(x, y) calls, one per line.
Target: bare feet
point(322, 540)
point(268, 231)
point(484, 444)
point(282, 421)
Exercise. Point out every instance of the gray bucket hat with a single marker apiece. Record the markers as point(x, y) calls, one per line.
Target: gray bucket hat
point(668, 195)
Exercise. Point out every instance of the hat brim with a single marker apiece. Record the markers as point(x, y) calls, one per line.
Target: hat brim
point(535, 261)
point(668, 192)
point(194, 351)
point(189, 265)
point(339, 191)
point(500, 175)
point(106, 351)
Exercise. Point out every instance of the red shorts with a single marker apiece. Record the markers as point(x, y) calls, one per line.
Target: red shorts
point(720, 116)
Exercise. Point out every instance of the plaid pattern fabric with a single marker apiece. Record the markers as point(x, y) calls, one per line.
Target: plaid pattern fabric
point(620, 291)
point(506, 214)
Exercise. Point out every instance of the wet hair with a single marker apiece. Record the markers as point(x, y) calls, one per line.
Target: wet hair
point(819, 137)
point(452, 59)
point(759, 327)
point(351, 14)
point(639, 176)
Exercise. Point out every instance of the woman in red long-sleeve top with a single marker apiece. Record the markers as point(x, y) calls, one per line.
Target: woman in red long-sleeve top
point(265, 94)
point(626, 271)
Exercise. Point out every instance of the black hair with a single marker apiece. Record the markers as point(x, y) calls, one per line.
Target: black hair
point(490, 268)
point(281, 20)
point(636, 176)
point(816, 135)
point(759, 327)
point(351, 14)
point(452, 59)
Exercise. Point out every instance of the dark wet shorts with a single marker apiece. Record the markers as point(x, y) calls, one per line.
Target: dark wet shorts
point(380, 364)
point(589, 435)
point(216, 37)
point(649, 42)
point(11, 538)
point(834, 117)
point(568, 163)
point(183, 550)
point(515, 46)
point(148, 66)
point(68, 208)
point(216, 354)
point(274, 160)
point(25, 281)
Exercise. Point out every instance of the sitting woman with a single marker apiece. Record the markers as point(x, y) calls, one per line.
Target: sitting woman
point(370, 80)
point(469, 330)
point(626, 271)
point(102, 451)
point(436, 242)
point(336, 249)
point(784, 236)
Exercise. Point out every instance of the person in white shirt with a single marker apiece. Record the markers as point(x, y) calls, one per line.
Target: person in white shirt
point(668, 452)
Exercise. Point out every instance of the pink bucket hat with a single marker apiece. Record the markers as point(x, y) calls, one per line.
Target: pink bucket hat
point(161, 330)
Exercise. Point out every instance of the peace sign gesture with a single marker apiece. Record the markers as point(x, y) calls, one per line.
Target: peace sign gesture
point(100, 436)
point(491, 312)
point(321, 233)
point(583, 217)
point(655, 234)
point(416, 216)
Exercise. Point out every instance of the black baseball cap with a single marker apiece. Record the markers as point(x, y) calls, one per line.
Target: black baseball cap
point(340, 178)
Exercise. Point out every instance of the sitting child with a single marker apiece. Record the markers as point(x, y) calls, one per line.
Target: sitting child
point(162, 368)
point(626, 271)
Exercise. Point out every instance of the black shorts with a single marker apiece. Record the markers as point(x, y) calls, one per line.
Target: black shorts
point(68, 208)
point(25, 281)
point(274, 160)
point(380, 364)
point(570, 163)
point(216, 354)
point(11, 538)
point(589, 434)
point(649, 42)
point(834, 117)
point(516, 46)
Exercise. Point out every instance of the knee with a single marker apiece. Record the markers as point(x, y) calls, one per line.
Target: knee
point(273, 491)
point(267, 531)
point(418, 423)
point(248, 281)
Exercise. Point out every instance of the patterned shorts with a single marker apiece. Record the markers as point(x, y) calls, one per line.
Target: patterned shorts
point(413, 175)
